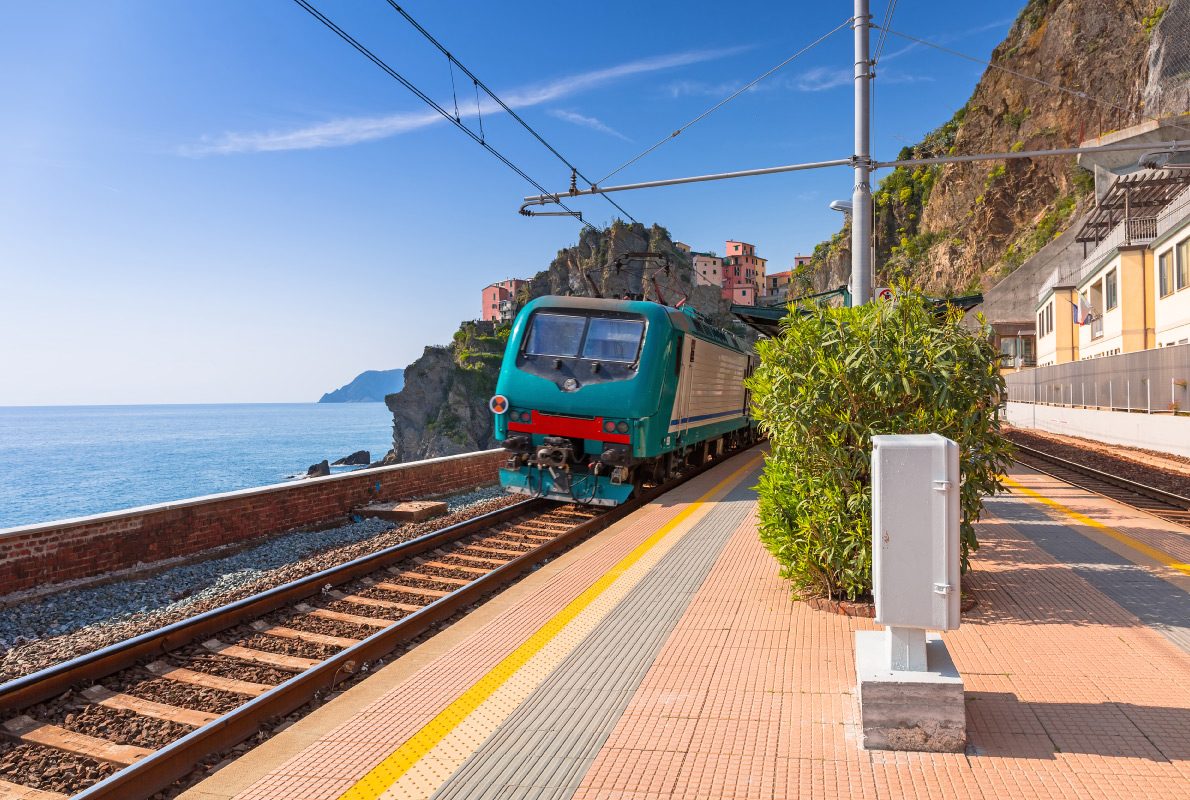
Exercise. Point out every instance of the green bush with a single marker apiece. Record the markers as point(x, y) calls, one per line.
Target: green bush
point(834, 378)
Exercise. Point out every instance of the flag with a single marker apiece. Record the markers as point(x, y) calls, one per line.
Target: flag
point(1084, 310)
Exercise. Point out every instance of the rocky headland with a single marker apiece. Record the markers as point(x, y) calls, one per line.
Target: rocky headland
point(368, 387)
point(443, 408)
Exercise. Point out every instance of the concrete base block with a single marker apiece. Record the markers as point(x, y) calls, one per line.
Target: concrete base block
point(919, 711)
point(409, 511)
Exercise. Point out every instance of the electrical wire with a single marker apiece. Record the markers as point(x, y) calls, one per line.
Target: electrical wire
point(889, 10)
point(480, 85)
point(724, 102)
point(428, 101)
point(1081, 95)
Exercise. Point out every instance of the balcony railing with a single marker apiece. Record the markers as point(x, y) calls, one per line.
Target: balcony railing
point(1141, 230)
point(1137, 230)
point(1097, 328)
point(1173, 214)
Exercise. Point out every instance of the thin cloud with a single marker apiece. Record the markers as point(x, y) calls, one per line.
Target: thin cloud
point(701, 88)
point(904, 77)
point(587, 122)
point(822, 78)
point(354, 130)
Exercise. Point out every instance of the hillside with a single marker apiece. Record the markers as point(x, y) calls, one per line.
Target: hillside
point(962, 228)
point(368, 387)
point(443, 408)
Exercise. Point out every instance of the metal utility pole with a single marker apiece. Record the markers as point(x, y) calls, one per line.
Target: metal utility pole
point(861, 196)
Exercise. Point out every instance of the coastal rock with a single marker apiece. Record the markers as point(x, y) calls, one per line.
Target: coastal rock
point(319, 470)
point(360, 458)
point(389, 459)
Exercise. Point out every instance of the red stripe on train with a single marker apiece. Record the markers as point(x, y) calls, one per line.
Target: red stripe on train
point(549, 425)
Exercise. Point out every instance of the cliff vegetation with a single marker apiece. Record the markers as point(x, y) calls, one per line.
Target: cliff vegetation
point(961, 228)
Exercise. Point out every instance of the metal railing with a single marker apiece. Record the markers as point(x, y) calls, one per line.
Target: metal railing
point(1148, 381)
point(1140, 230)
point(1174, 213)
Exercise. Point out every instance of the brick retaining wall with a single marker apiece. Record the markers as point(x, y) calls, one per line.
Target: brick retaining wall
point(54, 552)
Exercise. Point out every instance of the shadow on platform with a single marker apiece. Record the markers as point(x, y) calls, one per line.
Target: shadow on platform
point(1001, 725)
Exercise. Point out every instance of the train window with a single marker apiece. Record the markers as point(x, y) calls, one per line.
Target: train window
point(613, 339)
point(555, 335)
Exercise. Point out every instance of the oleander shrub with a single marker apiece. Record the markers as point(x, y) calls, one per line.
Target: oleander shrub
point(834, 378)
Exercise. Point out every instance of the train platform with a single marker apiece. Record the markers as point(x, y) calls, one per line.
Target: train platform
point(664, 658)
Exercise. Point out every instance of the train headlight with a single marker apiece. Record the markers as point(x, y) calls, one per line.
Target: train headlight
point(526, 416)
point(622, 427)
point(609, 427)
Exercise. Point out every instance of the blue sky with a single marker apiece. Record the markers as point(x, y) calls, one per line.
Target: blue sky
point(223, 202)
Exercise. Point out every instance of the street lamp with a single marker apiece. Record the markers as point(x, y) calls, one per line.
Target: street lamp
point(841, 205)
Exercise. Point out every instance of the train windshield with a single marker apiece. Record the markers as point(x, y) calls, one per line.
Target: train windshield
point(613, 339)
point(555, 335)
point(572, 336)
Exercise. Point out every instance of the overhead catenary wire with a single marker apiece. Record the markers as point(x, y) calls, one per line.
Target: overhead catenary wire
point(480, 85)
point(1059, 87)
point(429, 101)
point(725, 101)
point(888, 13)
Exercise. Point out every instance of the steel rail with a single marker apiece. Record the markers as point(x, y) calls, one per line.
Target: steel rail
point(52, 681)
point(158, 770)
point(1169, 498)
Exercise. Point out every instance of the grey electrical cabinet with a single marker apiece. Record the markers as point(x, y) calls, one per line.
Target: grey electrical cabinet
point(915, 531)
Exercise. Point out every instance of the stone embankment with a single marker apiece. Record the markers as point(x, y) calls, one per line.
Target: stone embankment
point(34, 556)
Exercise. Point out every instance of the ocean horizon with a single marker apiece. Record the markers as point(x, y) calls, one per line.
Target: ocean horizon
point(60, 462)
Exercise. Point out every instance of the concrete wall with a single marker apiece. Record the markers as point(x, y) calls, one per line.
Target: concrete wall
point(1012, 298)
point(1160, 432)
point(87, 547)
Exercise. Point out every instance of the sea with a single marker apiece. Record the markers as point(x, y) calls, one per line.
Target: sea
point(58, 462)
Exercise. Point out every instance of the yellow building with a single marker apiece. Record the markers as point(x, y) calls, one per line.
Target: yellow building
point(1119, 294)
point(1057, 330)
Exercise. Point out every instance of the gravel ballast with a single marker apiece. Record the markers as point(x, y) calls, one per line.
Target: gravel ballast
point(1100, 457)
point(47, 630)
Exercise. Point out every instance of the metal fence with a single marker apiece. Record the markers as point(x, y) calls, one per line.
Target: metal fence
point(1150, 381)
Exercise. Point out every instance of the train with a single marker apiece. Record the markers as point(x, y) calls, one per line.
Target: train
point(597, 398)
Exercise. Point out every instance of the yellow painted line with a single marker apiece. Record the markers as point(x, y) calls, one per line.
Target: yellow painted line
point(1124, 538)
point(388, 771)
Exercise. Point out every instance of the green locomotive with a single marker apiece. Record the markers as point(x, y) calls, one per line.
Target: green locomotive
point(596, 397)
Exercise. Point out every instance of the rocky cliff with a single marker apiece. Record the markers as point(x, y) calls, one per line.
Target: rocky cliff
point(443, 408)
point(961, 228)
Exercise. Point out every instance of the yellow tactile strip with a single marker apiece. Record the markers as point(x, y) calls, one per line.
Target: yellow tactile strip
point(1165, 543)
point(434, 752)
point(339, 759)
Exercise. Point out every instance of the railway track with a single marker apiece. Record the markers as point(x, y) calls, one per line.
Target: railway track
point(130, 719)
point(1159, 503)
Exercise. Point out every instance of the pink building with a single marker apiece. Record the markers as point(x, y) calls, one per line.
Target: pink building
point(743, 272)
point(740, 291)
point(499, 300)
point(708, 269)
